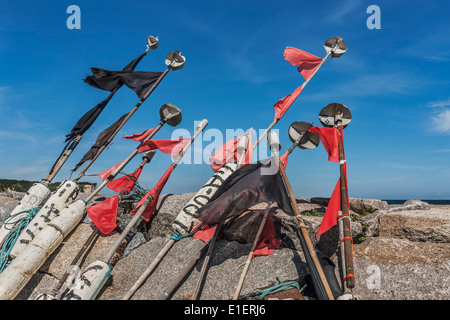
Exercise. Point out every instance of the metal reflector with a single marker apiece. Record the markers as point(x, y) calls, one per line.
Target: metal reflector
point(333, 113)
point(152, 42)
point(175, 59)
point(171, 114)
point(336, 45)
point(298, 131)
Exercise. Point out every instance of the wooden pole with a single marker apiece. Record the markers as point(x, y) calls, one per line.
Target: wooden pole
point(349, 279)
point(252, 250)
point(304, 231)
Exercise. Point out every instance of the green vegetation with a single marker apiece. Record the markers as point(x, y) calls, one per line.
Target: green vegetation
point(314, 212)
point(24, 185)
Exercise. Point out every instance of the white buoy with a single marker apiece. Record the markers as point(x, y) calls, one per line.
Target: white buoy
point(187, 218)
point(90, 282)
point(27, 262)
point(61, 198)
point(35, 196)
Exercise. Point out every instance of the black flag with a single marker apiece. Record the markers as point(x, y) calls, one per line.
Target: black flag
point(100, 142)
point(138, 81)
point(244, 188)
point(85, 122)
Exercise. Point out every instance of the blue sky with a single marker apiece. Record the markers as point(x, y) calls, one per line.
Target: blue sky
point(394, 80)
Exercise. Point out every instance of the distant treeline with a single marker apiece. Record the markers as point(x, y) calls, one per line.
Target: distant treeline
point(24, 185)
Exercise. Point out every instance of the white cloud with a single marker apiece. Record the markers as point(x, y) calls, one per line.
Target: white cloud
point(440, 121)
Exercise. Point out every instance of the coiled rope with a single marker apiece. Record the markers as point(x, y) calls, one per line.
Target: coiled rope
point(281, 286)
point(16, 227)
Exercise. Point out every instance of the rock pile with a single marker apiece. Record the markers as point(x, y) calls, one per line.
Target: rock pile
point(400, 252)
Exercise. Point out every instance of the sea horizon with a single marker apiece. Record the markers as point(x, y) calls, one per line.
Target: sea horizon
point(430, 201)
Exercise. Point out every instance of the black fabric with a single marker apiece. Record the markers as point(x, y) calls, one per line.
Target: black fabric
point(102, 139)
point(138, 81)
point(244, 188)
point(85, 122)
point(328, 269)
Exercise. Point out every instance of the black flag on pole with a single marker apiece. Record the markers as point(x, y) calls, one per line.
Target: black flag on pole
point(85, 122)
point(244, 188)
point(138, 81)
point(102, 138)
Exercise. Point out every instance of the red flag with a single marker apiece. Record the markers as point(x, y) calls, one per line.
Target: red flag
point(205, 233)
point(107, 173)
point(284, 158)
point(139, 137)
point(104, 214)
point(330, 217)
point(267, 242)
point(330, 140)
point(154, 193)
point(228, 152)
point(283, 104)
point(167, 146)
point(126, 182)
point(305, 61)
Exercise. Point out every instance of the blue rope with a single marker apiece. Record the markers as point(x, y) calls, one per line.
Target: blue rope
point(176, 236)
point(278, 287)
point(16, 227)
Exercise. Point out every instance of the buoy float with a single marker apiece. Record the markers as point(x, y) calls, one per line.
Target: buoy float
point(35, 196)
point(27, 262)
point(61, 198)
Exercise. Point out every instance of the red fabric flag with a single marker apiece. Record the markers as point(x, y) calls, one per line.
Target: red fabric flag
point(283, 104)
point(126, 182)
point(267, 242)
point(139, 137)
point(330, 140)
point(284, 158)
point(228, 153)
point(104, 214)
point(154, 193)
point(167, 146)
point(107, 173)
point(305, 61)
point(330, 217)
point(205, 233)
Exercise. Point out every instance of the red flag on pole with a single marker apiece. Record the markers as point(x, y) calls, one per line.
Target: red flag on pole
point(104, 214)
point(167, 146)
point(283, 104)
point(307, 64)
point(154, 193)
point(107, 173)
point(305, 61)
point(330, 140)
point(126, 182)
point(330, 217)
point(139, 137)
point(284, 158)
point(228, 152)
point(267, 242)
point(205, 233)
